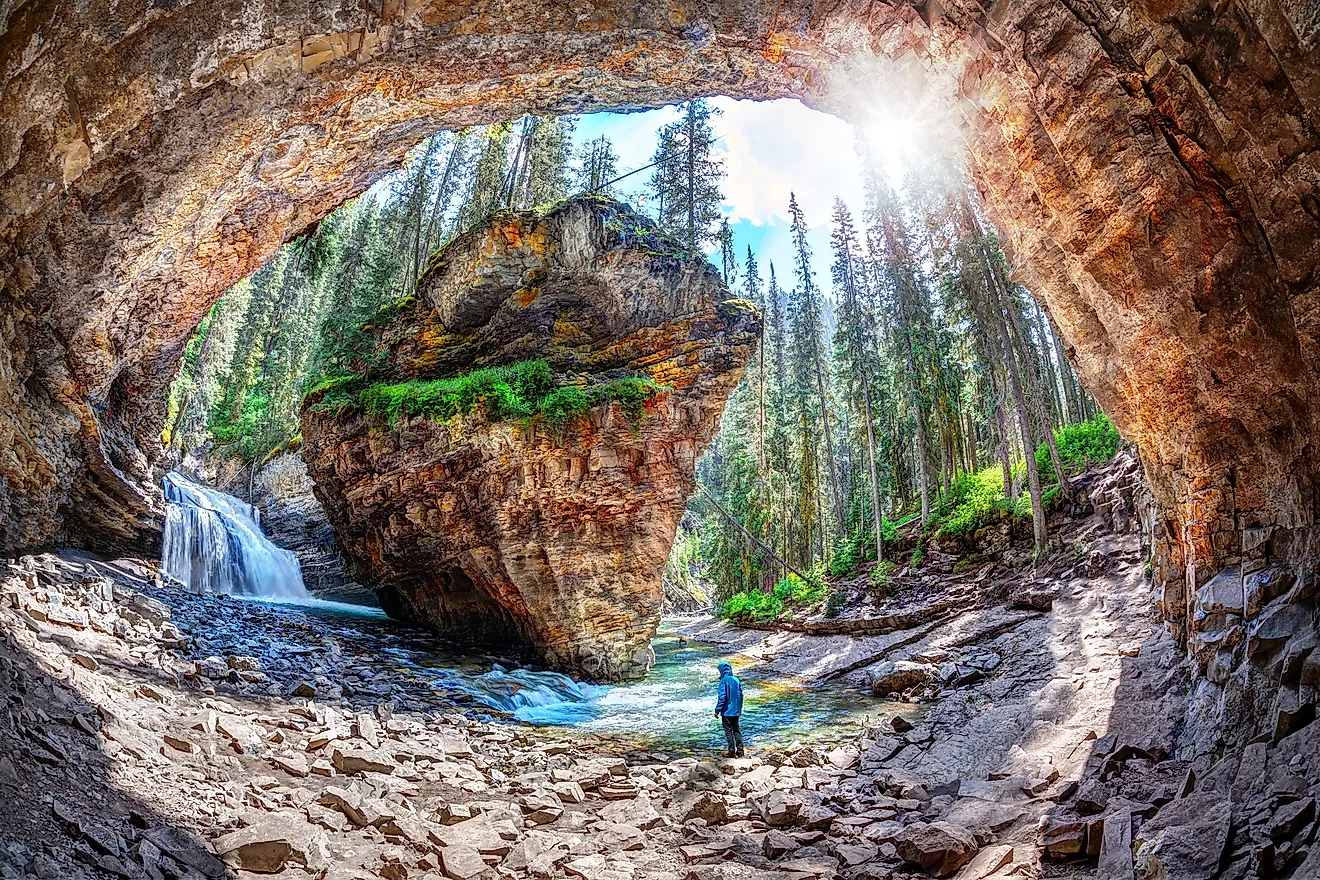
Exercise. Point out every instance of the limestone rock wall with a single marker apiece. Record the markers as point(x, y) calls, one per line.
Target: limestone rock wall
point(526, 535)
point(1152, 165)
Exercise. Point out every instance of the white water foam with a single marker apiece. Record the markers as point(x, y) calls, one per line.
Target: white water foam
point(214, 542)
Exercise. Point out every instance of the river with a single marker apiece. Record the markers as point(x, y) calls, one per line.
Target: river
point(214, 543)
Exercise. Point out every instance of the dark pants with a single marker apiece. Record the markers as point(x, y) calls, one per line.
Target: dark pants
point(733, 734)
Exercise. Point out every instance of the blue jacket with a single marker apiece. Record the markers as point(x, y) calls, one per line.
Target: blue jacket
point(730, 699)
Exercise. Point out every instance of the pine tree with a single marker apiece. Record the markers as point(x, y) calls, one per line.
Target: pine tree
point(752, 290)
point(486, 186)
point(539, 173)
point(687, 176)
point(848, 275)
point(891, 249)
point(728, 258)
point(807, 329)
point(598, 165)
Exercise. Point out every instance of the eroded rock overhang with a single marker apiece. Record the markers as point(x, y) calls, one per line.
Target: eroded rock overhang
point(1153, 168)
point(543, 531)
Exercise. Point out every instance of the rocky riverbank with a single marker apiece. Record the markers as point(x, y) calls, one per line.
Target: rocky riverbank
point(148, 733)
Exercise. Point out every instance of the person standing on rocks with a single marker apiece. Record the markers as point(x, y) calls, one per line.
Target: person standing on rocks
point(728, 708)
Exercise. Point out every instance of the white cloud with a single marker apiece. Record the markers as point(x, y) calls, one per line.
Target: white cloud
point(773, 148)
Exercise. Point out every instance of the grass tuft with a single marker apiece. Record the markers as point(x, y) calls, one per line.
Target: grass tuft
point(522, 390)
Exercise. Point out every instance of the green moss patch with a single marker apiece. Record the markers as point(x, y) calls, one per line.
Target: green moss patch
point(522, 390)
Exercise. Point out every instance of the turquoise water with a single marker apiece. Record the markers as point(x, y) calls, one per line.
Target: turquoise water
point(672, 709)
point(214, 542)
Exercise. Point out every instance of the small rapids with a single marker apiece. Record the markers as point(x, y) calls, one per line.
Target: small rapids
point(214, 543)
point(673, 707)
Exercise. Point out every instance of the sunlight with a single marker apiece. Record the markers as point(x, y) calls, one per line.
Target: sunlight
point(891, 140)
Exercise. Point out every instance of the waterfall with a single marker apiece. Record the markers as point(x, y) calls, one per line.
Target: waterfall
point(214, 542)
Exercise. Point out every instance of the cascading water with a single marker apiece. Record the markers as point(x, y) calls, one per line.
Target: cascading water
point(214, 542)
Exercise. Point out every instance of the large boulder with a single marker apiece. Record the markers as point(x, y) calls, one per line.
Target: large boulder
point(541, 523)
point(896, 676)
point(938, 848)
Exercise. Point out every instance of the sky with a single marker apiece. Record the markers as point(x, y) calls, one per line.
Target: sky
point(769, 149)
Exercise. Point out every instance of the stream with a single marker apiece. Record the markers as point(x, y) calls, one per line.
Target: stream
point(672, 709)
point(249, 599)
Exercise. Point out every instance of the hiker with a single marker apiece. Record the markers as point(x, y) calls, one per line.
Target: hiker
point(728, 708)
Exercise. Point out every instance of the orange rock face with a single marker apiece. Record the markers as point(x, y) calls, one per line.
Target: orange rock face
point(1154, 168)
point(525, 535)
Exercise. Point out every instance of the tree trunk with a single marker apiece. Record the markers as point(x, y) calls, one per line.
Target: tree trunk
point(1050, 376)
point(1056, 461)
point(875, 478)
point(1065, 374)
point(692, 178)
point(441, 201)
point(1020, 406)
point(829, 443)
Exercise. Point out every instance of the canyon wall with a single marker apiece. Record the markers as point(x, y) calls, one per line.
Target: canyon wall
point(544, 530)
point(1152, 165)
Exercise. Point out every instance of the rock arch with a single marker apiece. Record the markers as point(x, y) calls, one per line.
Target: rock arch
point(1153, 163)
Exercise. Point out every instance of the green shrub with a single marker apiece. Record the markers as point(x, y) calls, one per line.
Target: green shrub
point(1080, 446)
point(793, 590)
point(565, 405)
point(881, 573)
point(630, 393)
point(752, 606)
point(971, 503)
point(755, 606)
point(845, 557)
point(835, 603)
point(506, 392)
point(519, 390)
point(857, 548)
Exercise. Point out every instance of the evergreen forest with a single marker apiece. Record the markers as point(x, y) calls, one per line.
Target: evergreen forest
point(916, 391)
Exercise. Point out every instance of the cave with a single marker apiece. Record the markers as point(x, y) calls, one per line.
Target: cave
point(1154, 168)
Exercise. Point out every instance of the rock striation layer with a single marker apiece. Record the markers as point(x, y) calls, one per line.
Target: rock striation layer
point(1154, 168)
point(538, 532)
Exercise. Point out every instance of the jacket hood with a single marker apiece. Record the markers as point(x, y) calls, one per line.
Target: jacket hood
point(725, 668)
